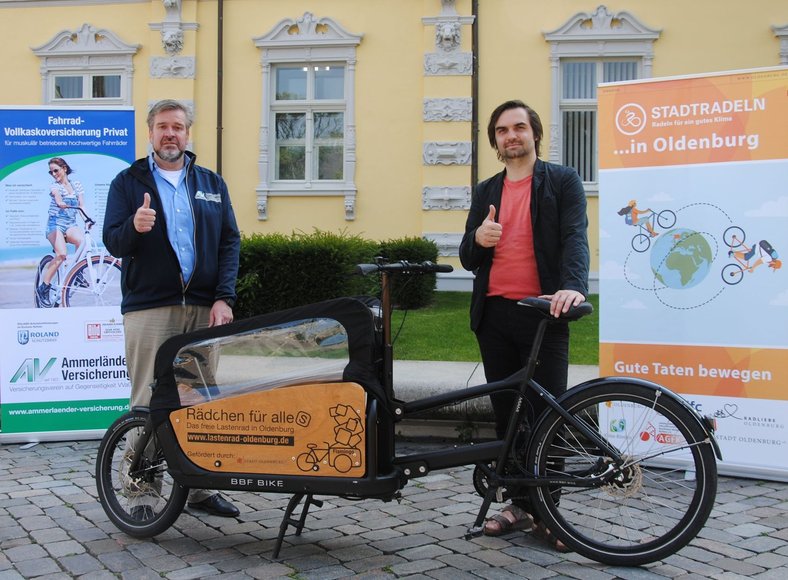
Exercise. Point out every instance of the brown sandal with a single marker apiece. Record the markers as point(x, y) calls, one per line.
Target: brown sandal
point(522, 521)
point(540, 531)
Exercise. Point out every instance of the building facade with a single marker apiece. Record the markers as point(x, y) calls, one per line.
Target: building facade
point(369, 116)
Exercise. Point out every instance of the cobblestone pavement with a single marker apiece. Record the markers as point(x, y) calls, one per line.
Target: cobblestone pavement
point(52, 526)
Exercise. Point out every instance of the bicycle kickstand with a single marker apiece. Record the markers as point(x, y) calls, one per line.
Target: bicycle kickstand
point(288, 520)
point(478, 526)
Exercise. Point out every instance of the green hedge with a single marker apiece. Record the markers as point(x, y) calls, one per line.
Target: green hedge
point(278, 271)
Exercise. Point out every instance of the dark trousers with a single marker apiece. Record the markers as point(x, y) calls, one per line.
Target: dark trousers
point(505, 336)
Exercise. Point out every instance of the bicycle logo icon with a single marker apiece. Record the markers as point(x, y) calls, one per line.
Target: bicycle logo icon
point(631, 119)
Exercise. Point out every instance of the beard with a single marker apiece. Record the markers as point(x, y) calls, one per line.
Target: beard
point(513, 153)
point(169, 155)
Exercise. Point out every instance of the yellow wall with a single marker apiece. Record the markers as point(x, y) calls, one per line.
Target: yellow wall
point(696, 36)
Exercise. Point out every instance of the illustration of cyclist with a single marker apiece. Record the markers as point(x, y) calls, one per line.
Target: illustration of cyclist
point(62, 224)
point(766, 255)
point(638, 217)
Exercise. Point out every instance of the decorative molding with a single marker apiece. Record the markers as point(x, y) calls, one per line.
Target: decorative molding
point(600, 34)
point(781, 32)
point(307, 29)
point(85, 51)
point(448, 64)
point(447, 60)
point(263, 195)
point(448, 197)
point(85, 40)
point(350, 207)
point(172, 67)
point(448, 242)
point(447, 153)
point(448, 109)
point(305, 40)
point(602, 25)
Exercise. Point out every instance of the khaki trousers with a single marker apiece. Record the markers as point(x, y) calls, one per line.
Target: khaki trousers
point(146, 331)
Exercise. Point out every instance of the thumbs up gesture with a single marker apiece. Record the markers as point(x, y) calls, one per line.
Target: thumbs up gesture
point(489, 232)
point(144, 217)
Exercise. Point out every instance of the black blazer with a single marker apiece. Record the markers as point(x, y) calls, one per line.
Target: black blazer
point(560, 224)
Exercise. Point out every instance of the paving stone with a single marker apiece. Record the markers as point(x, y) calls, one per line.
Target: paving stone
point(37, 567)
point(80, 564)
point(193, 573)
point(423, 537)
point(25, 552)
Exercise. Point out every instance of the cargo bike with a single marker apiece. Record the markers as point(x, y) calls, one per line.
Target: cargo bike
point(301, 402)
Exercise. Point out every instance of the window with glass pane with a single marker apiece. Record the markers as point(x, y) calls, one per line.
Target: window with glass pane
point(290, 146)
point(291, 83)
point(330, 82)
point(68, 87)
point(106, 86)
point(310, 140)
point(578, 109)
point(329, 130)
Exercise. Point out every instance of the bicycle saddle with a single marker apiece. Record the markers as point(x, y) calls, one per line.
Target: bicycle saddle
point(543, 306)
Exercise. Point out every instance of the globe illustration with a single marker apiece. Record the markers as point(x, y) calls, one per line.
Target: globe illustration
point(681, 258)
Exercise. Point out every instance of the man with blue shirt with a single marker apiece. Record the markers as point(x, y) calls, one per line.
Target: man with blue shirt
point(172, 224)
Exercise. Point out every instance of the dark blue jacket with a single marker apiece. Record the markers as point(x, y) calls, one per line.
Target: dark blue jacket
point(558, 216)
point(150, 274)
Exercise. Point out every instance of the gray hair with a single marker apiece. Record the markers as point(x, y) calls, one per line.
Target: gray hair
point(169, 105)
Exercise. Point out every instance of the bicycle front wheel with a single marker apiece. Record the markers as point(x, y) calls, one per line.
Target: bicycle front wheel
point(94, 284)
point(141, 500)
point(644, 510)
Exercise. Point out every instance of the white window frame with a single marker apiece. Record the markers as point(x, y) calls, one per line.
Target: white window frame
point(86, 53)
point(598, 36)
point(308, 107)
point(306, 41)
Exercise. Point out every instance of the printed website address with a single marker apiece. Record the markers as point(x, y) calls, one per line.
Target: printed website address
point(59, 410)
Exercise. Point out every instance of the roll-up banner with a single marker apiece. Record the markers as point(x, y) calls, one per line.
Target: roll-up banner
point(693, 240)
point(62, 362)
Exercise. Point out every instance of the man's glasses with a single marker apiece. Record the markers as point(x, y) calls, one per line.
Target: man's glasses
point(53, 171)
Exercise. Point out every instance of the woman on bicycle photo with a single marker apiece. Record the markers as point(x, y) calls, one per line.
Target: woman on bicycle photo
point(66, 195)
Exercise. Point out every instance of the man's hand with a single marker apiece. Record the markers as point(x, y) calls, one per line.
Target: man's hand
point(489, 233)
point(145, 217)
point(563, 300)
point(221, 313)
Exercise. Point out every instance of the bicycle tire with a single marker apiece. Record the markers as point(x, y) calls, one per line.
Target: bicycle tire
point(78, 286)
point(120, 491)
point(649, 510)
point(666, 219)
point(307, 462)
point(732, 274)
point(733, 237)
point(55, 282)
point(641, 243)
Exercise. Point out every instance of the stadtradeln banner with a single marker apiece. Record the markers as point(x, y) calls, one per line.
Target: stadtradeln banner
point(62, 362)
point(693, 242)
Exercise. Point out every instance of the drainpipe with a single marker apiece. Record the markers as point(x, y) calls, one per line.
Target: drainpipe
point(219, 83)
point(475, 95)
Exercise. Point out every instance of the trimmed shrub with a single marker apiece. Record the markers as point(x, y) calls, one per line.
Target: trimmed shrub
point(278, 271)
point(411, 292)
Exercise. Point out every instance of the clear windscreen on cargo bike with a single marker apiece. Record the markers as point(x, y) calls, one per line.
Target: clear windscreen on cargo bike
point(273, 393)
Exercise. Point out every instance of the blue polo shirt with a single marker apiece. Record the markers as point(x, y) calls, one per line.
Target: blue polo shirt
point(177, 214)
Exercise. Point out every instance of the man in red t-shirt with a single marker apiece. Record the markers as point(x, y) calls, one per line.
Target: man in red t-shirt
point(526, 235)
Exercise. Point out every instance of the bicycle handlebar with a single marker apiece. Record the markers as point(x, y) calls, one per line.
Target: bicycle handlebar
point(403, 267)
point(89, 221)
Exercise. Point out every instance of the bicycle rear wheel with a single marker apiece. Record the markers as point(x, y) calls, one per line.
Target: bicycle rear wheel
point(98, 285)
point(647, 509)
point(142, 501)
